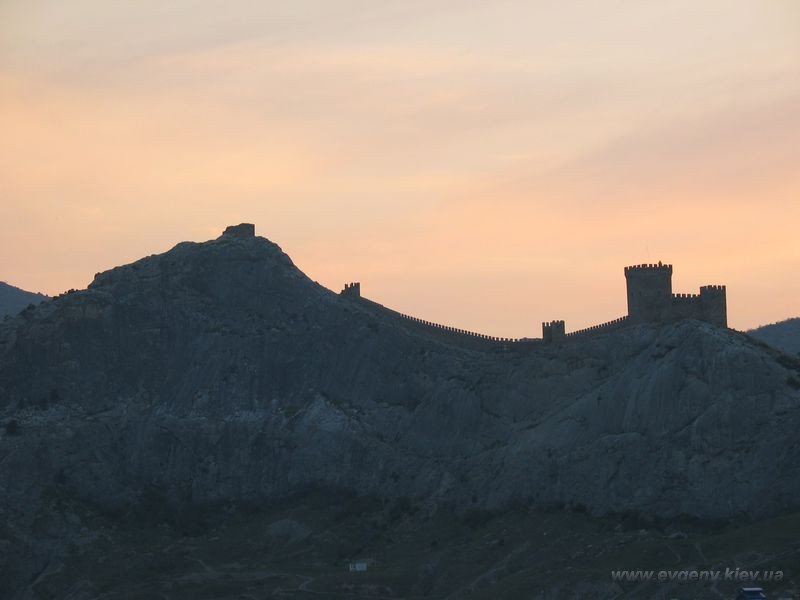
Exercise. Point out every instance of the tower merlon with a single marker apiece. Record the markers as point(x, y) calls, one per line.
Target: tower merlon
point(647, 266)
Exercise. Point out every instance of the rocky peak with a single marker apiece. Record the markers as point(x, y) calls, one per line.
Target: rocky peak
point(244, 230)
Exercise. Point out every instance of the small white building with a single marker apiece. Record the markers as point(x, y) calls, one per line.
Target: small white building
point(361, 564)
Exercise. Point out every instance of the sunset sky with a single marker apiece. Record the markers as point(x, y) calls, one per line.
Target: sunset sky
point(487, 165)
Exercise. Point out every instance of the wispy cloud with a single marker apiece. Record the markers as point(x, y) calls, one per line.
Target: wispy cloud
point(497, 154)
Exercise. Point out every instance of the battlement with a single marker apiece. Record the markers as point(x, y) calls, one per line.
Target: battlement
point(646, 267)
point(711, 288)
point(353, 290)
point(443, 332)
point(242, 230)
point(684, 296)
point(455, 330)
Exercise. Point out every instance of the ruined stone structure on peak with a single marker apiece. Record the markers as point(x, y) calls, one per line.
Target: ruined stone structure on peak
point(242, 230)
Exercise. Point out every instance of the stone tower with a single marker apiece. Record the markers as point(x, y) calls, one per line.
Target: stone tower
point(649, 292)
point(553, 331)
point(352, 290)
point(714, 305)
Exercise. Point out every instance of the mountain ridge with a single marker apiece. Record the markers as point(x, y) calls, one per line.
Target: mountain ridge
point(784, 335)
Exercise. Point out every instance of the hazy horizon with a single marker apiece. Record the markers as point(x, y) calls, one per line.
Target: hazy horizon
point(488, 167)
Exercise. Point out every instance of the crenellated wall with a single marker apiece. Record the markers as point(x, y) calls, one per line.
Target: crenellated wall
point(461, 337)
point(602, 327)
point(455, 330)
point(684, 306)
point(650, 299)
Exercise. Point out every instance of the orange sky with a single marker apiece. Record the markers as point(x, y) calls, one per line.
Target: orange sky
point(485, 165)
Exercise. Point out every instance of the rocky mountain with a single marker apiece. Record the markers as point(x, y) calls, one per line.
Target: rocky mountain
point(784, 335)
point(218, 375)
point(14, 299)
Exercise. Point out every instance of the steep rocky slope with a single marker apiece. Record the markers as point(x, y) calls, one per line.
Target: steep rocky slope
point(218, 374)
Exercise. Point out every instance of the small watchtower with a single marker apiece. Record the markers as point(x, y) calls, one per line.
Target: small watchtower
point(553, 331)
point(352, 290)
point(649, 291)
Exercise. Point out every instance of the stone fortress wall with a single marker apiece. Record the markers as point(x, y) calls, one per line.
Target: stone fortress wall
point(607, 326)
point(650, 300)
point(443, 332)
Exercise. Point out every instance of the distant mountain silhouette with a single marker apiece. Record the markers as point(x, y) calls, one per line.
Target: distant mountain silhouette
point(784, 335)
point(14, 299)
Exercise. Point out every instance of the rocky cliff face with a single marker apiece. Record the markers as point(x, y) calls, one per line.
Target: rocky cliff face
point(219, 373)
